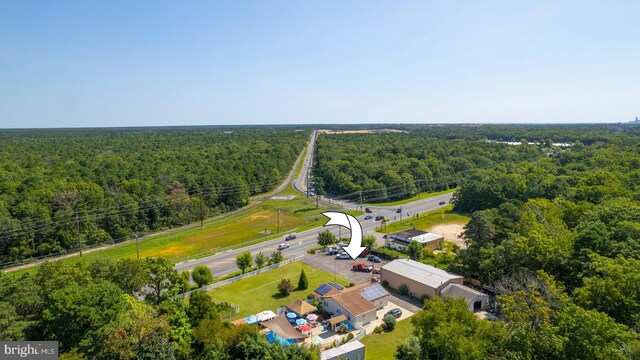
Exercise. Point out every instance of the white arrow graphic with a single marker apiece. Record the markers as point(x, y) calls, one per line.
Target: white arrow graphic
point(355, 248)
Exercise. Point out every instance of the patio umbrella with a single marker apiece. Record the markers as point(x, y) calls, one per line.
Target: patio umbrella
point(291, 315)
point(312, 317)
point(305, 328)
point(301, 322)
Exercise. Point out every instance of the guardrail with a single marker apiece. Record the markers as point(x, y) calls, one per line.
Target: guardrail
point(244, 276)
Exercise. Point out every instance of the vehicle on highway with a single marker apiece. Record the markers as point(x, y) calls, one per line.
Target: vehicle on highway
point(399, 210)
point(290, 237)
point(283, 246)
point(374, 258)
point(312, 194)
point(367, 210)
point(361, 267)
point(379, 217)
point(343, 256)
point(442, 202)
point(395, 312)
point(368, 217)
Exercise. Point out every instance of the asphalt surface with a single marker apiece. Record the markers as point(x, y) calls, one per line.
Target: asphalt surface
point(224, 263)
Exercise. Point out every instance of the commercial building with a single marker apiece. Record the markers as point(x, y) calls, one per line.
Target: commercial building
point(400, 240)
point(420, 279)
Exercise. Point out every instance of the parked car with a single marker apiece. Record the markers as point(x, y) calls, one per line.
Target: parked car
point(312, 194)
point(367, 210)
point(283, 246)
point(374, 258)
point(290, 237)
point(333, 250)
point(398, 211)
point(442, 202)
point(368, 217)
point(379, 217)
point(343, 256)
point(395, 312)
point(364, 253)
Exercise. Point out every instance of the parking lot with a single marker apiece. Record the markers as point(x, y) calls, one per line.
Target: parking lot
point(343, 268)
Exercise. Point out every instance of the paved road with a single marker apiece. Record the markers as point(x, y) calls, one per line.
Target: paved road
point(300, 183)
point(224, 263)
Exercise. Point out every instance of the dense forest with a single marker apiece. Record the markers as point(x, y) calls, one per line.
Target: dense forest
point(554, 233)
point(93, 312)
point(61, 189)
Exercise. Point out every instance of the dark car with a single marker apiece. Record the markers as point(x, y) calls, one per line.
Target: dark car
point(374, 258)
point(290, 237)
point(367, 210)
point(395, 312)
point(399, 211)
point(442, 202)
point(368, 217)
point(379, 217)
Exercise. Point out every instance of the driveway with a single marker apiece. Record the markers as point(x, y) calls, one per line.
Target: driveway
point(406, 313)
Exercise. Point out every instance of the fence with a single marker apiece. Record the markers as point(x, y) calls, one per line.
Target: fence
point(360, 335)
point(243, 276)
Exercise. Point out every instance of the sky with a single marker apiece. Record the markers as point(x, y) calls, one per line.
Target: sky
point(156, 63)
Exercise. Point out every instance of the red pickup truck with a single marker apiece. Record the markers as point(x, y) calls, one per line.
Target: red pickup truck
point(361, 267)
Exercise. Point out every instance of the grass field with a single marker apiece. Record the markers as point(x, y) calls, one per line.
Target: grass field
point(260, 292)
point(231, 231)
point(444, 215)
point(383, 346)
point(421, 196)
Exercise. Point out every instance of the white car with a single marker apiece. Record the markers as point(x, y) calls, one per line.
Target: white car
point(343, 256)
point(283, 246)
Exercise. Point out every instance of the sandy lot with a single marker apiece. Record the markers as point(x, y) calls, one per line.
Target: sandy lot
point(451, 232)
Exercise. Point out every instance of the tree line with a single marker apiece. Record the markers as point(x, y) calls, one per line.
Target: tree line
point(63, 189)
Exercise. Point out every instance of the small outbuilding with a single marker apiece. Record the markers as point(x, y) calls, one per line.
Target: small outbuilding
point(476, 300)
point(353, 350)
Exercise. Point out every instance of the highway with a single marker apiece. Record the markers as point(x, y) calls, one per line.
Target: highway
point(224, 263)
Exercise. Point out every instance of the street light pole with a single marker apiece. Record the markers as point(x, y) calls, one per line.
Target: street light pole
point(278, 221)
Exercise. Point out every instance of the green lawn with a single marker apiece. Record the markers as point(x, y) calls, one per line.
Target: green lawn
point(233, 231)
point(260, 292)
point(421, 196)
point(383, 346)
point(444, 215)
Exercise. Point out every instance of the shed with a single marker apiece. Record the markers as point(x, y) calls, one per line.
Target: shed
point(353, 350)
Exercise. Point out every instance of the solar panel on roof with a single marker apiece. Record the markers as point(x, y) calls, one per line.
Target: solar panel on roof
point(323, 289)
point(373, 292)
point(337, 286)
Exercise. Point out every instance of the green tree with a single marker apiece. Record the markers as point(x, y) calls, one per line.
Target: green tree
point(285, 287)
point(201, 307)
point(414, 250)
point(162, 279)
point(410, 350)
point(184, 278)
point(130, 275)
point(303, 283)
point(244, 261)
point(202, 275)
point(389, 322)
point(260, 260)
point(369, 242)
point(276, 257)
point(326, 238)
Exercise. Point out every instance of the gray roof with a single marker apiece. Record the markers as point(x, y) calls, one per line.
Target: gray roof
point(409, 233)
point(422, 273)
point(462, 292)
point(342, 350)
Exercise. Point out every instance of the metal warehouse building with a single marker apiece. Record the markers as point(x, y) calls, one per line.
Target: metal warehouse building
point(421, 279)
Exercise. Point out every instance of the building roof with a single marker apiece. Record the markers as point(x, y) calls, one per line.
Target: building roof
point(328, 289)
point(374, 292)
point(337, 319)
point(239, 322)
point(427, 237)
point(301, 307)
point(409, 233)
point(354, 303)
point(340, 351)
point(419, 272)
point(281, 326)
point(462, 292)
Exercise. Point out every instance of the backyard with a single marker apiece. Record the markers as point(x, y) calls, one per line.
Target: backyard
point(259, 292)
point(383, 346)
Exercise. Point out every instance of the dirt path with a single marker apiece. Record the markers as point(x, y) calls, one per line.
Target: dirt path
point(451, 232)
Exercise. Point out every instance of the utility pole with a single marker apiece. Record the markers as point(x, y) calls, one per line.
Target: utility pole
point(307, 182)
point(78, 226)
point(360, 200)
point(137, 247)
point(201, 211)
point(317, 199)
point(278, 220)
point(400, 217)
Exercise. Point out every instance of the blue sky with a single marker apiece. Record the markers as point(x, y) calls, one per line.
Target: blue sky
point(111, 63)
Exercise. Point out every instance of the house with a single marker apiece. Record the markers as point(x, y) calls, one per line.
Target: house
point(358, 304)
point(400, 240)
point(420, 279)
point(476, 300)
point(353, 350)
